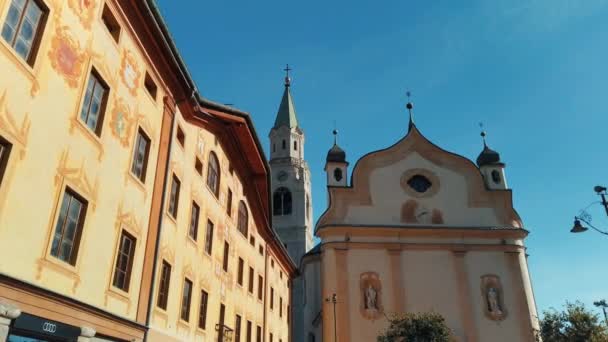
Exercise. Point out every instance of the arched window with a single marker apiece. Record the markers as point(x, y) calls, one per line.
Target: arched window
point(281, 202)
point(307, 206)
point(295, 145)
point(243, 220)
point(338, 174)
point(213, 174)
point(284, 144)
point(311, 337)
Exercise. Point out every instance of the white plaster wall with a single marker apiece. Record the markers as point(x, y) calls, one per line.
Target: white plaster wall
point(388, 197)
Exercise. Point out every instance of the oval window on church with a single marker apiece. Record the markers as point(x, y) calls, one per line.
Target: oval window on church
point(338, 174)
point(419, 183)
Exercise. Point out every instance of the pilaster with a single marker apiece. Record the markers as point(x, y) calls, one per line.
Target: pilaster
point(464, 297)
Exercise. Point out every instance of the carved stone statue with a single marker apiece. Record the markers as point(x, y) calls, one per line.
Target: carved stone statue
point(493, 303)
point(370, 298)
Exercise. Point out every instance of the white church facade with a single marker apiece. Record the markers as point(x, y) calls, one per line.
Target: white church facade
point(418, 229)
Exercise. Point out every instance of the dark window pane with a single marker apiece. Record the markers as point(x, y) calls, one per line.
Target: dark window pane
point(174, 196)
point(193, 231)
point(163, 290)
point(94, 99)
point(213, 174)
point(243, 219)
point(209, 238)
point(67, 230)
point(21, 26)
point(186, 296)
point(202, 316)
point(140, 157)
point(124, 262)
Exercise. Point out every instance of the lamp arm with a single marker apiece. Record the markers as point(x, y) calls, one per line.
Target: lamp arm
point(592, 226)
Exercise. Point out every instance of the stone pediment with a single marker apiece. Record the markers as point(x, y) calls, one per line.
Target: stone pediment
point(416, 183)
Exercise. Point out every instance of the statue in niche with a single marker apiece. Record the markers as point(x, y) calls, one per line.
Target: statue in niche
point(370, 298)
point(493, 302)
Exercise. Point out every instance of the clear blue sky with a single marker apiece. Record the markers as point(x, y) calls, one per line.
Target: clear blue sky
point(534, 71)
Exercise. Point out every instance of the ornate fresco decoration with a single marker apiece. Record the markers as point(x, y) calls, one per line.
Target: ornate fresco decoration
point(77, 177)
point(127, 219)
point(204, 283)
point(200, 144)
point(493, 298)
point(18, 133)
point(44, 263)
point(188, 272)
point(371, 296)
point(121, 122)
point(413, 212)
point(167, 253)
point(100, 61)
point(84, 10)
point(67, 57)
point(129, 72)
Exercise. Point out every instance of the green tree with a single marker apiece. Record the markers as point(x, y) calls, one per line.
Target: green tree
point(416, 327)
point(574, 324)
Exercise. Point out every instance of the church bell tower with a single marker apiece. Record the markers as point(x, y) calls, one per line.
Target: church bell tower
point(291, 199)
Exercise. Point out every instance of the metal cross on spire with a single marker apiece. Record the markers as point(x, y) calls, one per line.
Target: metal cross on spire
point(287, 79)
point(409, 107)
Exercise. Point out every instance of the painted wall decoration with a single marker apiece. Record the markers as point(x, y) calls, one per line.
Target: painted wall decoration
point(414, 212)
point(66, 56)
point(493, 297)
point(122, 122)
point(18, 133)
point(371, 296)
point(129, 72)
point(84, 10)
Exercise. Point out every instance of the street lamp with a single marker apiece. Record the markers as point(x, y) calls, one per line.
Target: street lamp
point(602, 304)
point(585, 217)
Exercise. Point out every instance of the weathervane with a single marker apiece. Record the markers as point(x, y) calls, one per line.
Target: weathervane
point(287, 79)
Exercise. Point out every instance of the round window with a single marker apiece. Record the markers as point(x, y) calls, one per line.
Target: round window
point(419, 183)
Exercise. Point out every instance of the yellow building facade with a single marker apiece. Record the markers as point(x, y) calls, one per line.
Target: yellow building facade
point(98, 116)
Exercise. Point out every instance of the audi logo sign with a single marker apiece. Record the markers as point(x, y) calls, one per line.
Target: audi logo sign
point(49, 327)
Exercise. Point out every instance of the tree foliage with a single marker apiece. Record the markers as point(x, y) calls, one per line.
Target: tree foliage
point(416, 327)
point(574, 324)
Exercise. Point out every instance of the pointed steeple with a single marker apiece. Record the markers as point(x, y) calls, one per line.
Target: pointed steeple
point(286, 116)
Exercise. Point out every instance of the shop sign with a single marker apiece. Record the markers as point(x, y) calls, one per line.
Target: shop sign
point(40, 325)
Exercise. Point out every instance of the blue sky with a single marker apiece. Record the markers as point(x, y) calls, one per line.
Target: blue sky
point(534, 71)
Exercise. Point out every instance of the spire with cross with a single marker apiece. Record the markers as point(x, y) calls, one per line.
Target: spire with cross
point(287, 79)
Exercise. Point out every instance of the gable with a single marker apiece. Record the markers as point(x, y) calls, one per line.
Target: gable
point(451, 191)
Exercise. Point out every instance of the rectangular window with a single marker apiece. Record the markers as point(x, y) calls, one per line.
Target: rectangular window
point(124, 261)
point(252, 240)
point(237, 329)
point(150, 86)
point(163, 289)
point(181, 137)
point(109, 20)
point(5, 150)
point(270, 337)
point(209, 238)
point(239, 278)
point(261, 250)
point(280, 306)
point(272, 263)
point(226, 255)
point(202, 314)
point(221, 323)
point(140, 155)
point(198, 166)
point(68, 230)
point(249, 328)
point(251, 280)
point(271, 298)
point(186, 297)
point(229, 203)
point(193, 231)
point(23, 27)
point(174, 196)
point(94, 104)
point(258, 338)
point(287, 315)
point(260, 287)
